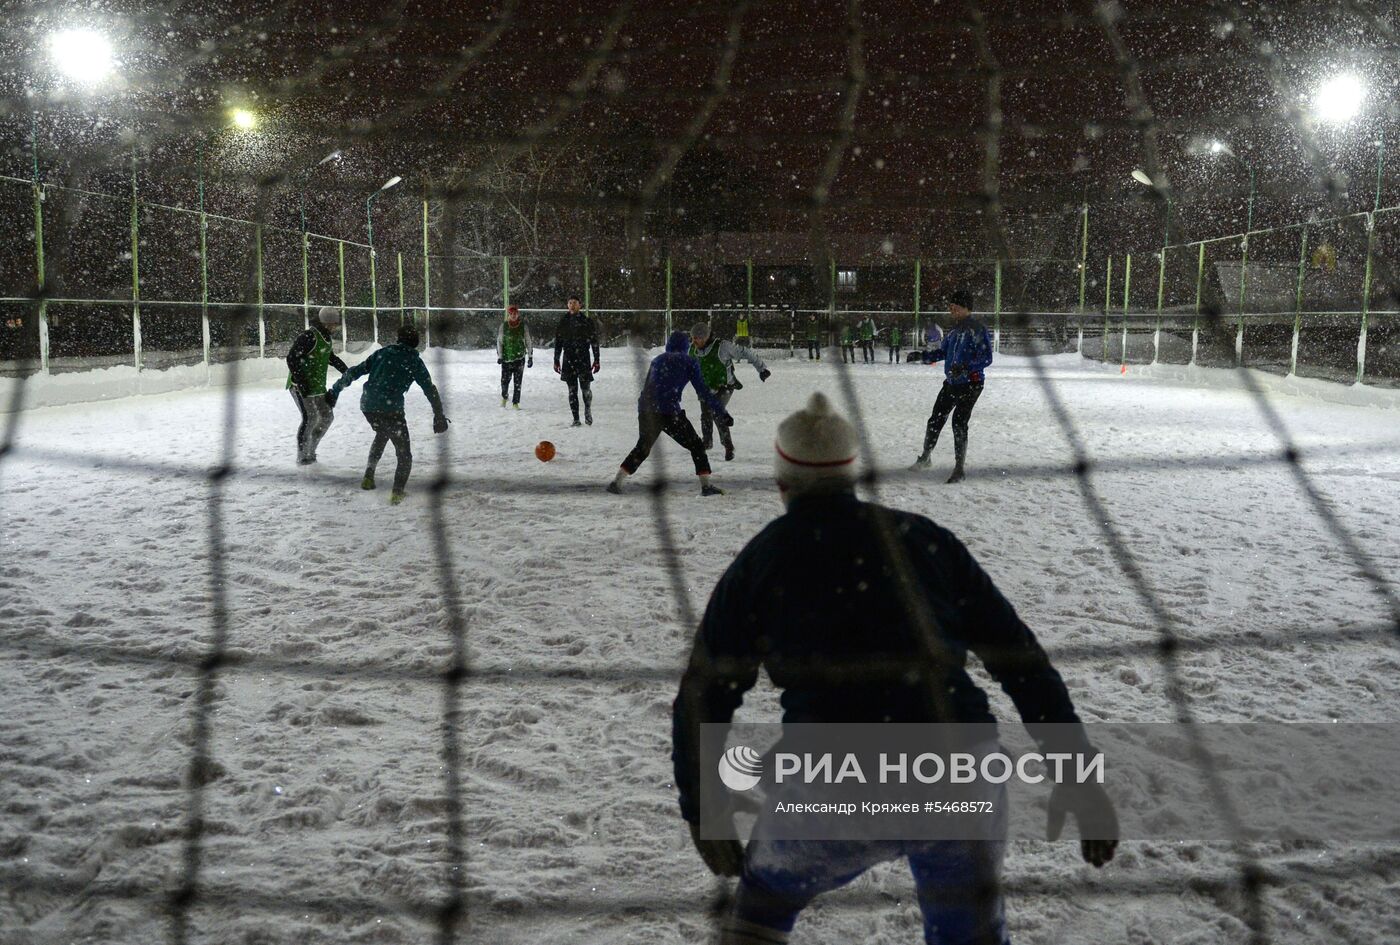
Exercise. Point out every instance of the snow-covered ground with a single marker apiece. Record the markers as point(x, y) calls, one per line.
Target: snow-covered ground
point(330, 788)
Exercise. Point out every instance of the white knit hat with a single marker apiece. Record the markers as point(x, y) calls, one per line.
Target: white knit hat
point(329, 316)
point(816, 449)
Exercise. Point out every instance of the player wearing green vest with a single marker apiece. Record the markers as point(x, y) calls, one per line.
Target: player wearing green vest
point(716, 359)
point(392, 370)
point(866, 327)
point(310, 355)
point(848, 345)
point(515, 351)
point(814, 336)
point(741, 331)
point(895, 339)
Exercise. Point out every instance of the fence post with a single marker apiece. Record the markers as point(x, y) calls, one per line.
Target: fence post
point(344, 326)
point(918, 282)
point(373, 294)
point(587, 288)
point(1298, 301)
point(427, 294)
point(1196, 317)
point(306, 281)
point(135, 271)
point(1107, 306)
point(1083, 276)
point(831, 315)
point(1239, 329)
point(668, 297)
point(996, 310)
point(400, 255)
point(1127, 281)
point(262, 320)
point(205, 331)
point(1365, 299)
point(43, 307)
point(1161, 296)
point(505, 282)
point(748, 292)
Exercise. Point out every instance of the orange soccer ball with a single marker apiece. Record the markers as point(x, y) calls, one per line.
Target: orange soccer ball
point(544, 452)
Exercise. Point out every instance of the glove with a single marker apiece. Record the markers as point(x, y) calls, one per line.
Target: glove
point(1092, 809)
point(724, 420)
point(957, 373)
point(596, 367)
point(331, 397)
point(499, 361)
point(529, 362)
point(556, 368)
point(724, 857)
point(764, 374)
point(440, 423)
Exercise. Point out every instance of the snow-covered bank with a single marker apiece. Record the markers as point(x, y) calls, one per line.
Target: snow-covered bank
point(111, 383)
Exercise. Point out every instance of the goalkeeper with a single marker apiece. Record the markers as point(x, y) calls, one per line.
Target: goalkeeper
point(392, 370)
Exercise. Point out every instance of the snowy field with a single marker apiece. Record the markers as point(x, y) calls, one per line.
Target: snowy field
point(329, 788)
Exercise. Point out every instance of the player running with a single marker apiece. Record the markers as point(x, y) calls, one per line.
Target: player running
point(575, 338)
point(716, 358)
point(392, 370)
point(310, 355)
point(966, 351)
point(815, 602)
point(659, 411)
point(515, 351)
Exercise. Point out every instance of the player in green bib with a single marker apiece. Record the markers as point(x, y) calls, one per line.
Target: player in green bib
point(311, 354)
point(895, 338)
point(848, 345)
point(814, 339)
point(717, 359)
point(866, 327)
point(741, 331)
point(515, 351)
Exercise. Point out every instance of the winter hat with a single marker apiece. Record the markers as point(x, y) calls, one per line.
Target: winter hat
point(329, 316)
point(960, 297)
point(700, 330)
point(408, 334)
point(815, 450)
point(512, 313)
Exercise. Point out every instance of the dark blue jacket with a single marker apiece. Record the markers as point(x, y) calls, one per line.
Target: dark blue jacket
point(669, 374)
point(966, 351)
point(813, 602)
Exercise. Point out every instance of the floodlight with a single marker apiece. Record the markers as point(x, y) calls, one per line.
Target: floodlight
point(1339, 99)
point(83, 55)
point(243, 119)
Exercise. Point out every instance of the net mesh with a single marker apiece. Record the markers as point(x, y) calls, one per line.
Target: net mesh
point(617, 122)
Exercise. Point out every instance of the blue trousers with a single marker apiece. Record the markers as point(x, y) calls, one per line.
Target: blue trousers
point(956, 881)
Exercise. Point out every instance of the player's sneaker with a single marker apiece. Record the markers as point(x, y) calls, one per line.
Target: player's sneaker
point(396, 497)
point(575, 423)
point(957, 475)
point(516, 406)
point(708, 489)
point(588, 416)
point(367, 482)
point(614, 488)
point(923, 462)
point(728, 453)
point(503, 401)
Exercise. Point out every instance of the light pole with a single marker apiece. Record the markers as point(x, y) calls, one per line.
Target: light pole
point(1219, 147)
point(369, 228)
point(1142, 177)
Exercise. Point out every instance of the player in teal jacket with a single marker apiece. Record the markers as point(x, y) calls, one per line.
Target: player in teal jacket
point(392, 371)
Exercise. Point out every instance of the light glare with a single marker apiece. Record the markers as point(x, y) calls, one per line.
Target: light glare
point(243, 119)
point(83, 55)
point(1339, 99)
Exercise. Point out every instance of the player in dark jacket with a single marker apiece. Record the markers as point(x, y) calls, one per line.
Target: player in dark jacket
point(966, 352)
point(659, 411)
point(311, 354)
point(576, 356)
point(392, 370)
point(848, 637)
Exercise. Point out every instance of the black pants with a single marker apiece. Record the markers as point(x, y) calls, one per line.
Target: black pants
point(867, 351)
point(707, 419)
point(512, 370)
point(957, 400)
point(814, 350)
point(650, 426)
point(848, 350)
point(316, 419)
point(390, 428)
point(575, 382)
point(894, 354)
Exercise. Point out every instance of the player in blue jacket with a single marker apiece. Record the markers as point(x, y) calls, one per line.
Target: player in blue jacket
point(966, 352)
point(659, 411)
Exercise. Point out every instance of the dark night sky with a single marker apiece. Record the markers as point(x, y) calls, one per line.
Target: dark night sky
point(421, 89)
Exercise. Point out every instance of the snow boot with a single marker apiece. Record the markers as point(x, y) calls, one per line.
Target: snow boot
point(728, 453)
point(708, 489)
point(367, 482)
